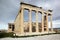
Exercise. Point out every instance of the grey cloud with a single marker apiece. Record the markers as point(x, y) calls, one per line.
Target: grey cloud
point(8, 9)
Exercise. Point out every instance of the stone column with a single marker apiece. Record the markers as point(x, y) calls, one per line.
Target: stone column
point(21, 24)
point(47, 21)
point(30, 23)
point(42, 21)
point(51, 22)
point(36, 21)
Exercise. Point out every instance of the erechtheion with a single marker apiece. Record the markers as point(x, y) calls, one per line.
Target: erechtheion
point(21, 28)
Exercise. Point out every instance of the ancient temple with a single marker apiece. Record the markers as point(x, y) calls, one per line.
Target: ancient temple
point(21, 28)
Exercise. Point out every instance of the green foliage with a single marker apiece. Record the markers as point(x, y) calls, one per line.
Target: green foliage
point(2, 35)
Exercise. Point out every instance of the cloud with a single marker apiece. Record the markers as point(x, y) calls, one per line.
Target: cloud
point(3, 25)
point(55, 24)
point(8, 9)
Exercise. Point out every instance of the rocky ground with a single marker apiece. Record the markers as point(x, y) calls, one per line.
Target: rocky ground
point(45, 37)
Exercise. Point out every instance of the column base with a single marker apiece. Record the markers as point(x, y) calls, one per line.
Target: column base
point(33, 33)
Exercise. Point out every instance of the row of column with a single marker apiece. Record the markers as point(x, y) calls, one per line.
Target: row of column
point(30, 22)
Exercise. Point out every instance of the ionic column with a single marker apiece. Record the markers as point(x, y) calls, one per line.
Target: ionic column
point(30, 23)
point(42, 22)
point(47, 21)
point(21, 24)
point(51, 22)
point(37, 21)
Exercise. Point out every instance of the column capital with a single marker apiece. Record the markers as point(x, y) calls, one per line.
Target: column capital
point(22, 8)
point(29, 10)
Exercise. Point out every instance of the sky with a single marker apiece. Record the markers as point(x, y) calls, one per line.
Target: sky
point(9, 10)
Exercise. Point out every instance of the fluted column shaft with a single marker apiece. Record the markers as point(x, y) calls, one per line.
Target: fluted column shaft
point(22, 29)
point(30, 22)
point(42, 22)
point(51, 22)
point(36, 21)
point(47, 21)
